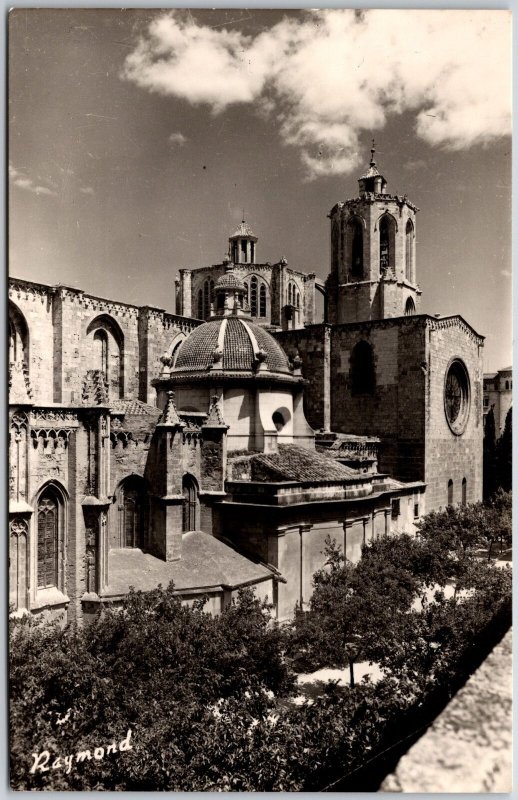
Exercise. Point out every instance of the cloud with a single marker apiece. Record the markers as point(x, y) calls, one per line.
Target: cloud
point(506, 273)
point(177, 139)
point(20, 179)
point(327, 76)
point(86, 190)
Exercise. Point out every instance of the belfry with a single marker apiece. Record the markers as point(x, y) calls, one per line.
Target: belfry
point(373, 258)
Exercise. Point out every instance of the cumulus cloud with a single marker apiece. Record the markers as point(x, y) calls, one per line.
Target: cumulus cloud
point(327, 76)
point(177, 139)
point(21, 179)
point(87, 190)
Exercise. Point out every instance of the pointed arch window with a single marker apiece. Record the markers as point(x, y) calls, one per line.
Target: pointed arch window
point(49, 523)
point(387, 227)
point(464, 491)
point(409, 307)
point(409, 251)
point(450, 492)
point(262, 301)
point(355, 237)
point(132, 513)
point(18, 336)
point(200, 304)
point(253, 296)
point(362, 373)
point(101, 351)
point(190, 521)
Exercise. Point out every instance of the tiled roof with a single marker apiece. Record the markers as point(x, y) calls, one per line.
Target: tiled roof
point(134, 408)
point(372, 172)
point(295, 463)
point(205, 562)
point(243, 230)
point(197, 352)
point(230, 281)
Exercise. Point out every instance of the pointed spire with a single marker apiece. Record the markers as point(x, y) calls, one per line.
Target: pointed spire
point(170, 414)
point(215, 417)
point(373, 150)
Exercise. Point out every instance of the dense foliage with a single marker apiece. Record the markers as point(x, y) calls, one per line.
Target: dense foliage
point(201, 695)
point(498, 455)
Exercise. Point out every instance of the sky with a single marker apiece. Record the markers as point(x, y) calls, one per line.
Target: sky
point(138, 138)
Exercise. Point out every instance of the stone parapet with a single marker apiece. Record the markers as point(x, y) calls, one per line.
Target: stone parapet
point(469, 746)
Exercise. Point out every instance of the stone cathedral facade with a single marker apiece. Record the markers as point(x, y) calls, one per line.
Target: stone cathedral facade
point(219, 446)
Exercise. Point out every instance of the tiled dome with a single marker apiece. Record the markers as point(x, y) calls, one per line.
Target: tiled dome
point(243, 345)
point(230, 281)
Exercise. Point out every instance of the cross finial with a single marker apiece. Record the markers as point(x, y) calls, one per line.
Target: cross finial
point(373, 150)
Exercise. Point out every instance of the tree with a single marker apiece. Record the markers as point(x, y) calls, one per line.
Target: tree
point(504, 455)
point(489, 455)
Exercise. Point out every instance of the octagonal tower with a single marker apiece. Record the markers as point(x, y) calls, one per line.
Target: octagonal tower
point(373, 253)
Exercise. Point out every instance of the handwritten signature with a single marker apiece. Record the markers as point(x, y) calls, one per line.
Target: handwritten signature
point(44, 762)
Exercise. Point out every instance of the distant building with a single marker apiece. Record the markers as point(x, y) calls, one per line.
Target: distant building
point(498, 395)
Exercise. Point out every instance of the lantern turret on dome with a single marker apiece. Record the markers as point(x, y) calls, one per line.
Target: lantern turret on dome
point(229, 295)
point(242, 245)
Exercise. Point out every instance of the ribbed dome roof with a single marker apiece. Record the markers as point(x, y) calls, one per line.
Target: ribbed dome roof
point(243, 230)
point(230, 281)
point(239, 347)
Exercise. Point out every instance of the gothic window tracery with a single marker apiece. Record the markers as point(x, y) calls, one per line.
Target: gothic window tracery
point(190, 518)
point(18, 336)
point(387, 227)
point(132, 512)
point(106, 352)
point(50, 525)
point(253, 296)
point(262, 301)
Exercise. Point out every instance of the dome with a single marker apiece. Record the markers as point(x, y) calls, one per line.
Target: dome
point(230, 281)
point(231, 344)
point(243, 230)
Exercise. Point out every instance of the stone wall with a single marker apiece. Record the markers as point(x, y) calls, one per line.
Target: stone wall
point(62, 322)
point(450, 456)
point(468, 748)
point(395, 411)
point(313, 345)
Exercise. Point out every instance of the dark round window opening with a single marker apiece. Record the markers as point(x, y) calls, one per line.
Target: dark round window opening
point(457, 397)
point(278, 420)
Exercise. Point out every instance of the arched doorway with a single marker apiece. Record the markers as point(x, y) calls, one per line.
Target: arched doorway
point(191, 504)
point(132, 512)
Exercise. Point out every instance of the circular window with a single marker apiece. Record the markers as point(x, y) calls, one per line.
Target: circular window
point(457, 396)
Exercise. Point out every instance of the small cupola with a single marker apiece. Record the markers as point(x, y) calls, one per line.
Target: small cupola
point(229, 293)
point(372, 181)
point(242, 245)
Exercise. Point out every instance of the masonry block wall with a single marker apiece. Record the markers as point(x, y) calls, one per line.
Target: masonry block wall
point(394, 410)
point(62, 323)
point(35, 303)
point(313, 345)
point(449, 456)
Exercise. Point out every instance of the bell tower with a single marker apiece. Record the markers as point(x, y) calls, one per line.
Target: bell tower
point(373, 253)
